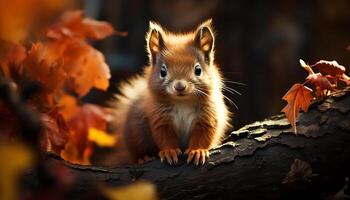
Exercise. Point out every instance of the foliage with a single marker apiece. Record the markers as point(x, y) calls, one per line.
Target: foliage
point(66, 67)
point(327, 80)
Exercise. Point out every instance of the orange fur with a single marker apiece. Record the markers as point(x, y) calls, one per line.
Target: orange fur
point(155, 117)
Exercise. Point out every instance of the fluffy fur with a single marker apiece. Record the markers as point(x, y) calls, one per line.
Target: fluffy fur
point(157, 119)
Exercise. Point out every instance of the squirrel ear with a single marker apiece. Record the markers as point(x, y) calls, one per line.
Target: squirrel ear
point(204, 39)
point(155, 42)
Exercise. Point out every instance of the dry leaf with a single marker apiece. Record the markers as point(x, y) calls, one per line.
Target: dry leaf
point(320, 82)
point(329, 68)
point(298, 97)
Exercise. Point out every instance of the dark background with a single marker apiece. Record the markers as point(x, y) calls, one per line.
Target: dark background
point(258, 43)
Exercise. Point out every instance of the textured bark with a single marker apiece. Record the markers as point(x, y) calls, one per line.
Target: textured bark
point(253, 162)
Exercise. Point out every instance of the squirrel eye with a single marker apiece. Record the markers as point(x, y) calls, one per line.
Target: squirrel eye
point(197, 69)
point(163, 71)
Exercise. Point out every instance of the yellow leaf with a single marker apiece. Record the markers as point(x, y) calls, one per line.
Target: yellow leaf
point(14, 159)
point(101, 138)
point(135, 191)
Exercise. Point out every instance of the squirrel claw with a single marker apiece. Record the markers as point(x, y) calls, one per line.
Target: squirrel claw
point(198, 156)
point(171, 155)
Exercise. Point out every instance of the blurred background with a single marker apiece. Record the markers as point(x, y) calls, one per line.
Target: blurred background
point(258, 43)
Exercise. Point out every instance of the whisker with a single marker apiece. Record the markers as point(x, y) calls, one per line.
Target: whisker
point(235, 82)
point(228, 99)
point(231, 90)
point(202, 92)
point(231, 102)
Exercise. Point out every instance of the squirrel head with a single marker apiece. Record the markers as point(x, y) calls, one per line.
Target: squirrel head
point(182, 65)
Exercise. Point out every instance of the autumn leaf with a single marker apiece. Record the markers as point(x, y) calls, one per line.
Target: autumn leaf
point(298, 97)
point(75, 24)
point(322, 83)
point(79, 148)
point(45, 69)
point(329, 68)
point(68, 106)
point(101, 138)
point(85, 66)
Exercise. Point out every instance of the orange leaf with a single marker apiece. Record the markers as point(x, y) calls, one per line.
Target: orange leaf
point(68, 105)
point(85, 65)
point(48, 70)
point(298, 97)
point(73, 24)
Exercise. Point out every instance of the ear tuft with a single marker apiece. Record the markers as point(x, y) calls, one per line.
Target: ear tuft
point(204, 38)
point(155, 41)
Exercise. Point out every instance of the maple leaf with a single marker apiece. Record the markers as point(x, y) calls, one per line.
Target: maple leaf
point(298, 97)
point(84, 65)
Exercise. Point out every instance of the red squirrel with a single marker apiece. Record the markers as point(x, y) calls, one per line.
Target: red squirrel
point(177, 104)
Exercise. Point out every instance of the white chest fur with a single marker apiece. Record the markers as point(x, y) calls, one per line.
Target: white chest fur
point(183, 116)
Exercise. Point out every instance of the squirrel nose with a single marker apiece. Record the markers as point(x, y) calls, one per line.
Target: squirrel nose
point(180, 86)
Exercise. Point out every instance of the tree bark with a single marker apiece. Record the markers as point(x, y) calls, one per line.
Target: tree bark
point(261, 160)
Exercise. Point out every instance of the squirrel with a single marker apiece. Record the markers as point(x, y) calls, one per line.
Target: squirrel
point(177, 104)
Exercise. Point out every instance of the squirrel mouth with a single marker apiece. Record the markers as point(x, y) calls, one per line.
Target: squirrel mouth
point(180, 94)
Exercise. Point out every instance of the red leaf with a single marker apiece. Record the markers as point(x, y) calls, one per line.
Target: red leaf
point(298, 97)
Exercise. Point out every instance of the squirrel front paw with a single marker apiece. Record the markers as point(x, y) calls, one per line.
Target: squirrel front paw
point(170, 155)
point(197, 155)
